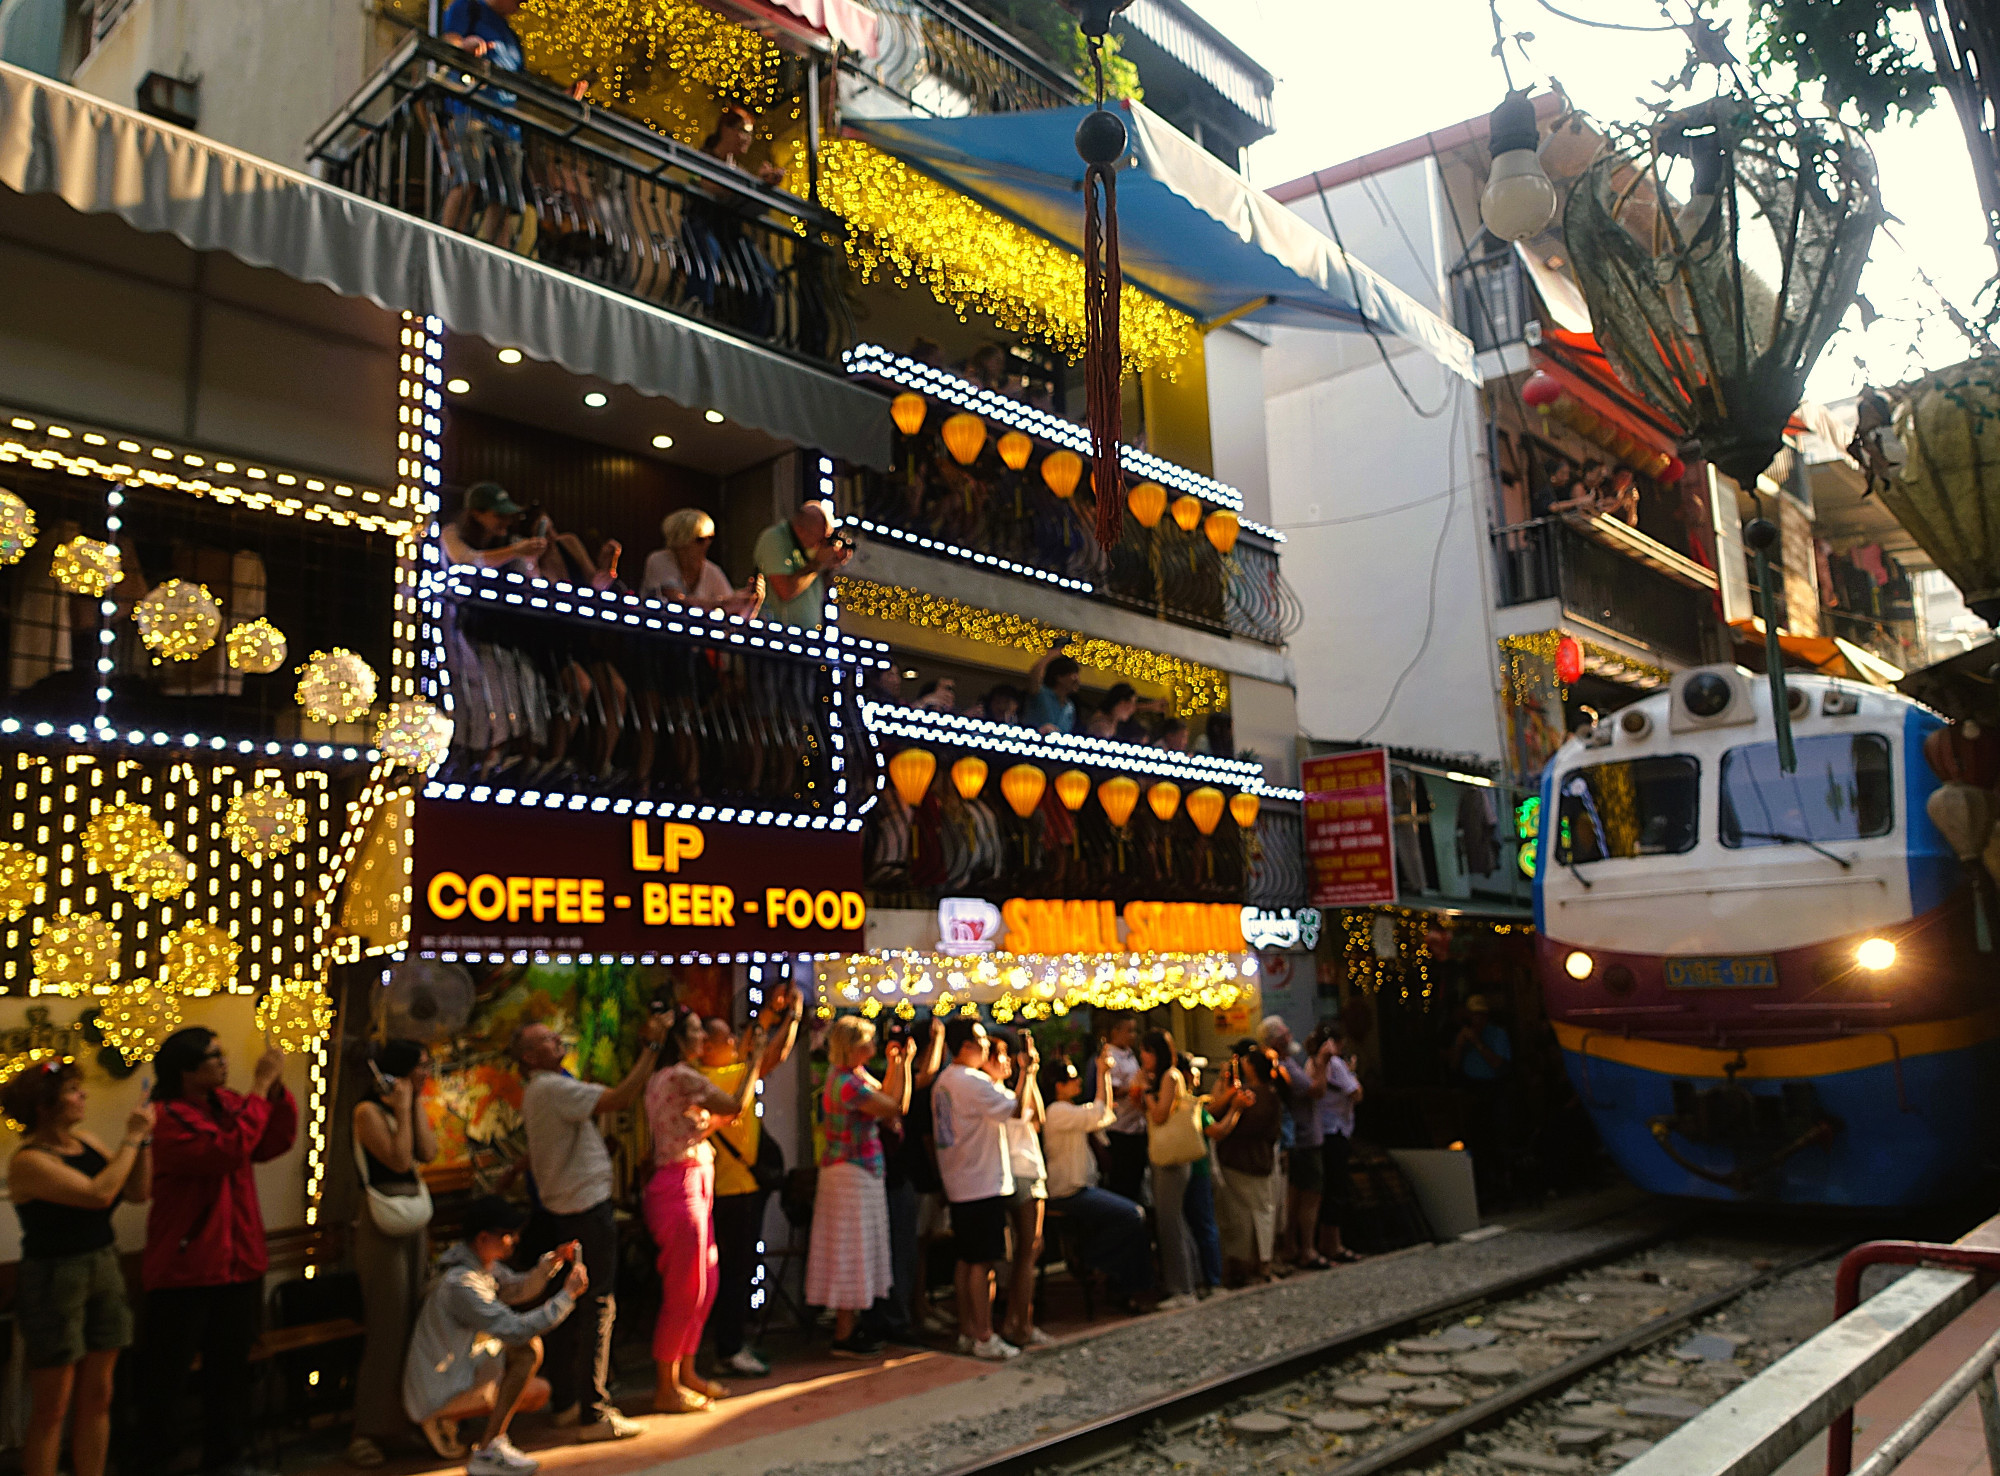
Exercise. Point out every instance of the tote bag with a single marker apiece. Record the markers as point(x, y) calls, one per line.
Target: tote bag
point(395, 1215)
point(1179, 1139)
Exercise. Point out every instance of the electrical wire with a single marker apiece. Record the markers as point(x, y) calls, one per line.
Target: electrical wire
point(1354, 286)
point(1596, 25)
point(1380, 512)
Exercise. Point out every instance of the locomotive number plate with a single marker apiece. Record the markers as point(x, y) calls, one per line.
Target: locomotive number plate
point(1747, 971)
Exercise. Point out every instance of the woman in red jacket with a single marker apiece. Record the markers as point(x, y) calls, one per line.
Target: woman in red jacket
point(205, 1259)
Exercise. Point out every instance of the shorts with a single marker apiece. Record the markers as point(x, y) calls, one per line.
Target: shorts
point(933, 1216)
point(72, 1305)
point(1302, 1169)
point(1028, 1190)
point(1337, 1186)
point(979, 1229)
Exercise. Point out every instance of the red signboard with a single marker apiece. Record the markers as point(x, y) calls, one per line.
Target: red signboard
point(513, 878)
point(1348, 840)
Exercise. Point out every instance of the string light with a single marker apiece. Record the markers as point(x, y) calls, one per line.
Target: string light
point(17, 528)
point(1033, 986)
point(295, 1015)
point(414, 734)
point(256, 646)
point(75, 953)
point(264, 822)
point(178, 620)
point(12, 1066)
point(21, 872)
point(199, 959)
point(906, 227)
point(161, 872)
point(87, 567)
point(336, 686)
point(136, 1018)
point(1408, 967)
point(118, 835)
point(1528, 667)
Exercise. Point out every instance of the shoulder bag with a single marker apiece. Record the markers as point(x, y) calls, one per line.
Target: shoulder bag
point(395, 1215)
point(1179, 1139)
point(769, 1168)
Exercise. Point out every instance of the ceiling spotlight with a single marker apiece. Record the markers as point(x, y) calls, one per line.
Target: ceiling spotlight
point(510, 356)
point(663, 443)
point(597, 399)
point(458, 386)
point(713, 417)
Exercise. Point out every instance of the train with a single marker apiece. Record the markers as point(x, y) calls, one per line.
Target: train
point(1768, 987)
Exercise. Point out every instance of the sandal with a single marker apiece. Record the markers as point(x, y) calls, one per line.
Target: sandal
point(1317, 1263)
point(1347, 1257)
point(709, 1389)
point(682, 1401)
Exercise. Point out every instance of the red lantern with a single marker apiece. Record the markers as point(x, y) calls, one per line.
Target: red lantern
point(1569, 659)
point(1675, 469)
point(1542, 390)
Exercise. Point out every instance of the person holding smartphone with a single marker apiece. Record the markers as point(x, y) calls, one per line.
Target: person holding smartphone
point(1112, 1227)
point(1052, 683)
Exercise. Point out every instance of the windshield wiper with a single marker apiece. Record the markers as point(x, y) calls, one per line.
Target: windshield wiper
point(1796, 840)
point(1570, 862)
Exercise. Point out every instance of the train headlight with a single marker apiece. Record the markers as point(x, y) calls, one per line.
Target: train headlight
point(1876, 954)
point(1579, 964)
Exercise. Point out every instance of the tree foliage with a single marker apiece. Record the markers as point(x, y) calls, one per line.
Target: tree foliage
point(1868, 54)
point(1050, 30)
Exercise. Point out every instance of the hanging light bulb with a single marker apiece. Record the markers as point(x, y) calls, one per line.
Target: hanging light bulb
point(1518, 201)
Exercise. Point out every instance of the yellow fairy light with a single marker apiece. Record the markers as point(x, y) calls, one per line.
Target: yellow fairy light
point(118, 835)
point(87, 567)
point(17, 528)
point(256, 646)
point(199, 959)
point(414, 734)
point(179, 620)
point(264, 822)
point(75, 953)
point(336, 686)
point(21, 872)
point(136, 1017)
point(1196, 688)
point(906, 226)
point(295, 1015)
point(161, 872)
point(627, 48)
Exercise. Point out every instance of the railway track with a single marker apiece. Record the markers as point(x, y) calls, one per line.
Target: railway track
point(1520, 1355)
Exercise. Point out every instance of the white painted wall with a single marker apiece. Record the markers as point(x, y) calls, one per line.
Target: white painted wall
point(1237, 439)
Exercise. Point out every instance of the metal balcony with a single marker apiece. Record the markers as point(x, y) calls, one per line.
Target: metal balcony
point(1551, 559)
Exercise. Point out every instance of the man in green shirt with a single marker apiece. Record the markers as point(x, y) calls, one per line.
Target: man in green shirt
point(792, 556)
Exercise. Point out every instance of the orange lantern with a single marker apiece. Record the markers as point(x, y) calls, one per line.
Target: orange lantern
point(1015, 449)
point(1147, 500)
point(1243, 809)
point(908, 410)
point(1062, 470)
point(964, 434)
point(1163, 799)
point(968, 776)
point(1118, 796)
point(911, 771)
point(1204, 807)
point(1187, 512)
point(1072, 788)
point(1023, 785)
point(1222, 528)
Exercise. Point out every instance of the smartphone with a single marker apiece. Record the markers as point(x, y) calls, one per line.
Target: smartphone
point(382, 1083)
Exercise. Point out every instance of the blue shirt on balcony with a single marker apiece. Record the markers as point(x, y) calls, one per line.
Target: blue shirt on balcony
point(475, 20)
point(1047, 709)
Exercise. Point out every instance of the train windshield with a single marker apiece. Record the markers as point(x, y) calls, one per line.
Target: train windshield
point(1641, 807)
point(1844, 790)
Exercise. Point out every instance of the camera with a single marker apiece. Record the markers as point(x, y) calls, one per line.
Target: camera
point(899, 1030)
point(841, 539)
point(662, 1002)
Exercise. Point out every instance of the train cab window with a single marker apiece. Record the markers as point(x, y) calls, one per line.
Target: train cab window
point(1844, 789)
point(1641, 807)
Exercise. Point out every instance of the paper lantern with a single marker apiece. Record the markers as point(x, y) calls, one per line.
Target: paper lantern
point(1118, 796)
point(911, 771)
point(163, 872)
point(1072, 788)
point(908, 410)
point(1963, 815)
point(86, 567)
point(295, 1015)
point(199, 959)
point(1023, 785)
point(1222, 529)
point(1163, 799)
point(17, 528)
point(74, 953)
point(1015, 449)
point(1187, 513)
point(414, 734)
point(968, 776)
point(1569, 659)
point(136, 1018)
point(1204, 807)
point(1541, 390)
point(118, 835)
point(336, 686)
point(255, 646)
point(1061, 471)
point(21, 872)
point(1148, 501)
point(178, 621)
point(963, 435)
point(264, 822)
point(1243, 809)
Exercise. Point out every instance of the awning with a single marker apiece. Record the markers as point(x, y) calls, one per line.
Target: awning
point(1190, 231)
point(1831, 656)
point(100, 158)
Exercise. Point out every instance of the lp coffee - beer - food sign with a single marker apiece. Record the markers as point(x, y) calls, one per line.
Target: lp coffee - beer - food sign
point(507, 878)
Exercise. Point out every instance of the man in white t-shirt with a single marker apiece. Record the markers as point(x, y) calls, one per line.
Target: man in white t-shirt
point(1336, 1125)
point(573, 1187)
point(1111, 1227)
point(969, 1111)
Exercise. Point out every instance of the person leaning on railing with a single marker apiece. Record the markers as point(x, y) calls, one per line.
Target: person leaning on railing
point(682, 571)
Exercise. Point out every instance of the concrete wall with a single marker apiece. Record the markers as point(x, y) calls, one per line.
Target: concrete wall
point(1237, 439)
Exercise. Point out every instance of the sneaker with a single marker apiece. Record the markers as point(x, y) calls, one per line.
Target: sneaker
point(995, 1349)
point(562, 1419)
point(1037, 1339)
point(1174, 1304)
point(499, 1458)
point(614, 1426)
point(858, 1344)
point(364, 1454)
point(442, 1437)
point(963, 1347)
point(744, 1362)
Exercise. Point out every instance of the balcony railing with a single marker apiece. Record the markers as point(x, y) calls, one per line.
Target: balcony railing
point(510, 158)
point(560, 694)
point(944, 58)
point(1549, 559)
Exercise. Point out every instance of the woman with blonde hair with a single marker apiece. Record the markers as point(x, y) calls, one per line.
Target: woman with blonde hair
point(848, 1266)
point(681, 571)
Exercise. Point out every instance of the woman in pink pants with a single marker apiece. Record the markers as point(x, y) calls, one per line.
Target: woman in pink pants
point(682, 1108)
